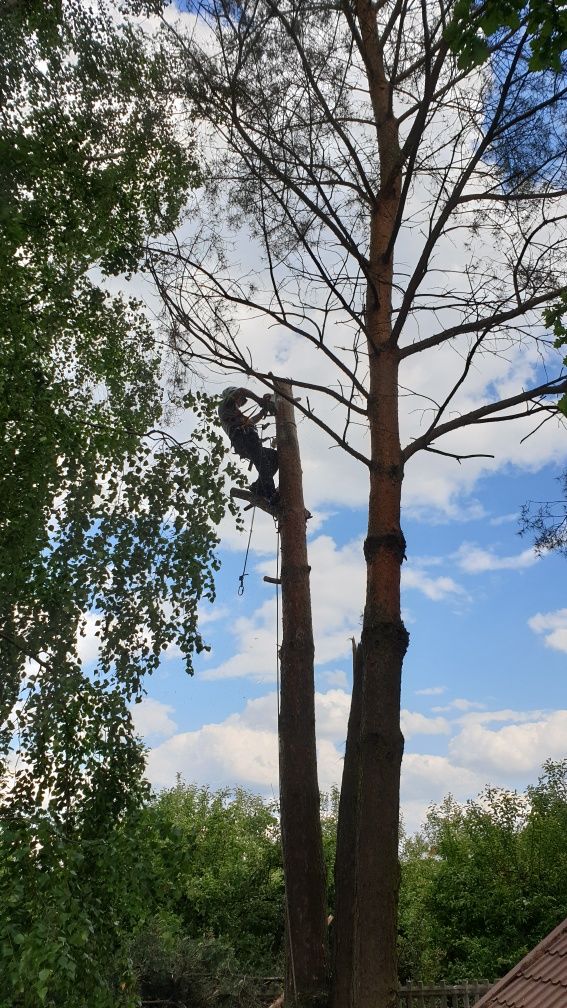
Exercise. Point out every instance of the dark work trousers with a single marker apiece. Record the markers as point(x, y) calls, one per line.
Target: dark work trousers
point(247, 444)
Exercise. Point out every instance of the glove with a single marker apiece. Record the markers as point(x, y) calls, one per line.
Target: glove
point(268, 402)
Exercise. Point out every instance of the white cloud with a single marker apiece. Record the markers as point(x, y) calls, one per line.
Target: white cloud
point(511, 749)
point(219, 755)
point(263, 542)
point(475, 560)
point(337, 592)
point(431, 691)
point(336, 677)
point(151, 718)
point(414, 723)
point(331, 714)
point(501, 716)
point(504, 519)
point(208, 613)
point(554, 627)
point(255, 656)
point(426, 779)
point(459, 704)
point(437, 589)
point(243, 749)
point(432, 777)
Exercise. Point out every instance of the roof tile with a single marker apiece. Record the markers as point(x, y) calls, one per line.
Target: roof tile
point(538, 981)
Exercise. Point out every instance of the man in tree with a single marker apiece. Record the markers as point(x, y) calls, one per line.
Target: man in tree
point(246, 441)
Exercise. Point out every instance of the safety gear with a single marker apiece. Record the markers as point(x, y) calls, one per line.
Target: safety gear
point(228, 392)
point(247, 444)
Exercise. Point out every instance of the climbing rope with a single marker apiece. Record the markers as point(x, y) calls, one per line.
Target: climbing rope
point(241, 592)
point(278, 617)
point(244, 574)
point(286, 900)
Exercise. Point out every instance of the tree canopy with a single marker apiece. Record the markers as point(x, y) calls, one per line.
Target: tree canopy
point(108, 524)
point(483, 883)
point(473, 23)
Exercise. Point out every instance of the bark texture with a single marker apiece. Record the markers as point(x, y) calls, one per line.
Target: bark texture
point(384, 638)
point(307, 960)
point(343, 929)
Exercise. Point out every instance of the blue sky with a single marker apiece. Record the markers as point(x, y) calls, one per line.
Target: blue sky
point(484, 678)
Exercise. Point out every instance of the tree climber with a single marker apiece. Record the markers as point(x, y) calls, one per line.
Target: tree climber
point(245, 439)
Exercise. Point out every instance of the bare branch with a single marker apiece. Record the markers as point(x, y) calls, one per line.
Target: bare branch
point(557, 387)
point(486, 324)
point(453, 455)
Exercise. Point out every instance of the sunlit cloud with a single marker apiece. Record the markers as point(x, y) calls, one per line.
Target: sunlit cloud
point(553, 626)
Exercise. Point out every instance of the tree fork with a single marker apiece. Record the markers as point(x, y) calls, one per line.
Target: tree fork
point(304, 869)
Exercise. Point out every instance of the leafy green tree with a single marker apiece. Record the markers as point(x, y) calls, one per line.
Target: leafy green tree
point(475, 21)
point(485, 882)
point(215, 893)
point(217, 867)
point(418, 951)
point(72, 889)
point(107, 523)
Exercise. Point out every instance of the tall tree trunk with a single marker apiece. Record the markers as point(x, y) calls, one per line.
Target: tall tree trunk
point(343, 924)
point(384, 639)
point(307, 965)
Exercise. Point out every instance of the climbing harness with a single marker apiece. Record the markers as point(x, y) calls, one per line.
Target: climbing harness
point(244, 573)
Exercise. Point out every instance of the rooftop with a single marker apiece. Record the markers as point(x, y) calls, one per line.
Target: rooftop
point(538, 981)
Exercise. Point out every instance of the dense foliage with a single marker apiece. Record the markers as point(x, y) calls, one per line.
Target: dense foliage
point(481, 885)
point(485, 882)
point(90, 167)
point(218, 901)
point(217, 858)
point(107, 530)
point(473, 23)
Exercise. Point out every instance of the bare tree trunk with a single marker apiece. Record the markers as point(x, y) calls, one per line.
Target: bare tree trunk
point(384, 639)
point(384, 642)
point(343, 924)
point(307, 964)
